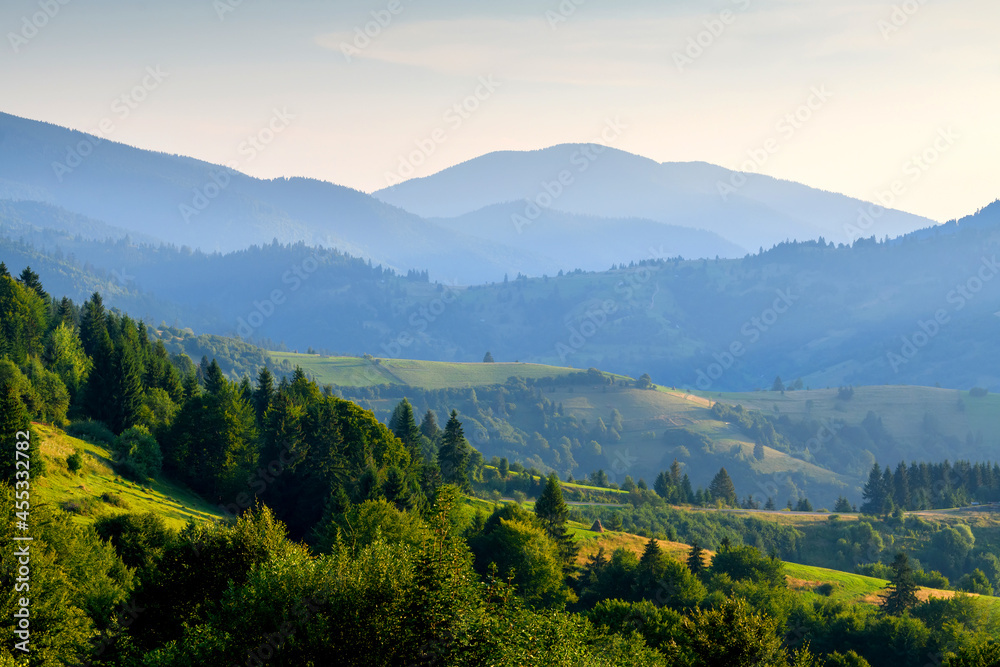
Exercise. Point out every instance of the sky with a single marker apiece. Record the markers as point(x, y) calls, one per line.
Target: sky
point(853, 97)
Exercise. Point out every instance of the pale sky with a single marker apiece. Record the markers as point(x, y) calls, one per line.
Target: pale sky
point(892, 85)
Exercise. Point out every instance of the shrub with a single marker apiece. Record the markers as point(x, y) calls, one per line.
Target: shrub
point(114, 499)
point(74, 461)
point(137, 454)
point(825, 589)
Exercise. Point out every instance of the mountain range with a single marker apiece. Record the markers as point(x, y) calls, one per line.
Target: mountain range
point(469, 224)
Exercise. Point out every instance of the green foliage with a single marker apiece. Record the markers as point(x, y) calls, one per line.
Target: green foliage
point(74, 462)
point(454, 453)
point(525, 553)
point(137, 454)
point(902, 589)
point(552, 512)
point(722, 488)
point(747, 563)
point(365, 524)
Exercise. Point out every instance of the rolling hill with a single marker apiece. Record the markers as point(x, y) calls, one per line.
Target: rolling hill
point(829, 454)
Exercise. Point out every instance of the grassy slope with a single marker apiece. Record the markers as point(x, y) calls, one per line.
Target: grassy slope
point(175, 504)
point(902, 409)
point(646, 415)
point(361, 372)
point(805, 579)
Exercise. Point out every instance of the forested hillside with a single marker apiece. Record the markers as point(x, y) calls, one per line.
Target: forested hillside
point(342, 533)
point(915, 310)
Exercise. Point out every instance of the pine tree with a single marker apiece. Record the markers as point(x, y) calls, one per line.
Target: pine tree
point(454, 454)
point(93, 325)
point(902, 589)
point(662, 485)
point(429, 426)
point(769, 505)
point(901, 487)
point(552, 511)
point(30, 279)
point(695, 559)
point(843, 505)
point(14, 422)
point(126, 396)
point(264, 393)
point(404, 426)
point(758, 450)
point(214, 380)
point(687, 493)
point(650, 555)
point(488, 358)
point(675, 474)
point(722, 487)
point(874, 492)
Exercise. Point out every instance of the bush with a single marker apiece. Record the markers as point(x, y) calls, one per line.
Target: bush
point(74, 461)
point(825, 590)
point(83, 506)
point(114, 499)
point(137, 454)
point(978, 392)
point(91, 431)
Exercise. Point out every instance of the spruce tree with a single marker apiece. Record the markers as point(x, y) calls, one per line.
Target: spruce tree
point(454, 454)
point(650, 554)
point(552, 511)
point(30, 279)
point(93, 325)
point(687, 493)
point(264, 393)
point(902, 589)
point(404, 426)
point(215, 381)
point(429, 426)
point(722, 487)
point(14, 422)
point(675, 474)
point(695, 559)
point(126, 392)
point(662, 485)
point(874, 492)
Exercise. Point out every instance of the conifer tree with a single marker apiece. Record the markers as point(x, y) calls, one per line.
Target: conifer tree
point(902, 589)
point(264, 393)
point(454, 454)
point(429, 426)
point(126, 391)
point(30, 279)
point(722, 487)
point(214, 378)
point(404, 426)
point(552, 511)
point(874, 492)
point(14, 422)
point(695, 559)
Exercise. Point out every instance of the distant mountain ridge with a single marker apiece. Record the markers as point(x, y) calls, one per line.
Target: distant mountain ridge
point(749, 210)
point(607, 209)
